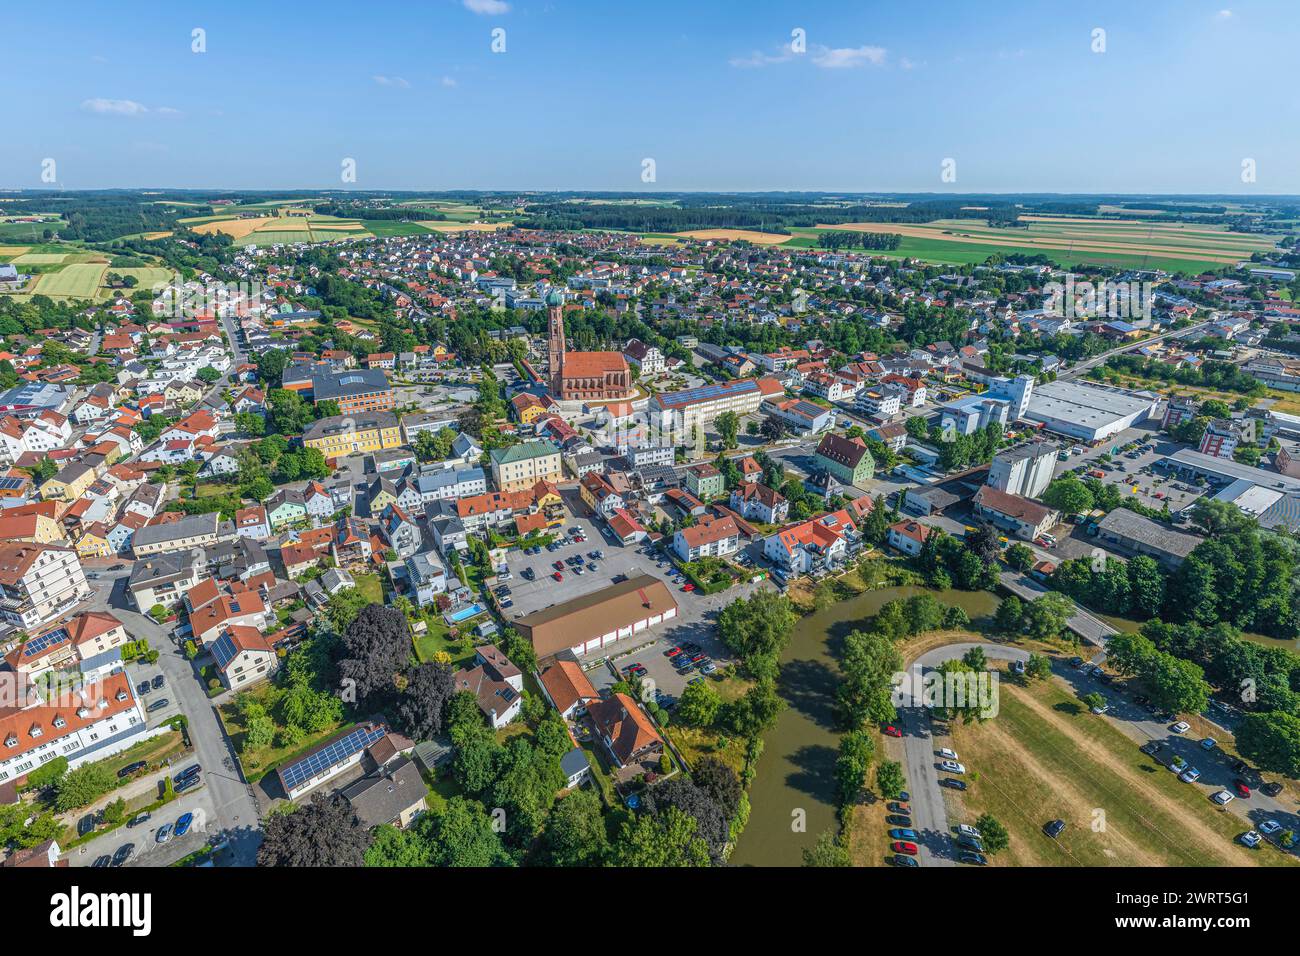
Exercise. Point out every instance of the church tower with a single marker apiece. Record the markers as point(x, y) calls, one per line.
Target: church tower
point(555, 353)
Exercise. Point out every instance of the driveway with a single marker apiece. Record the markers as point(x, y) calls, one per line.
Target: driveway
point(921, 763)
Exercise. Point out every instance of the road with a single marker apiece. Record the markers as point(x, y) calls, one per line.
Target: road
point(929, 812)
point(1091, 629)
point(1080, 367)
point(234, 811)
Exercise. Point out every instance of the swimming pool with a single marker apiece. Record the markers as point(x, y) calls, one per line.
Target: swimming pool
point(465, 613)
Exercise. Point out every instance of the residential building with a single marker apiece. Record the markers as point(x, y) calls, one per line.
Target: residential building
point(846, 459)
point(353, 434)
point(524, 465)
point(1024, 518)
point(704, 481)
point(495, 682)
point(625, 730)
point(818, 544)
point(243, 656)
point(758, 502)
point(38, 583)
point(710, 538)
point(184, 534)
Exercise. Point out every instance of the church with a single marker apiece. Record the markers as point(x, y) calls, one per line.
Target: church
point(583, 376)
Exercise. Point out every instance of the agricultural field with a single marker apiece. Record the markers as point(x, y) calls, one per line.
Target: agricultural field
point(79, 280)
point(146, 276)
point(1123, 243)
point(40, 258)
point(265, 230)
point(1046, 757)
point(748, 235)
point(438, 226)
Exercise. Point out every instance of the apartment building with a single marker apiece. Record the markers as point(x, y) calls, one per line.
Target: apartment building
point(714, 538)
point(38, 583)
point(192, 531)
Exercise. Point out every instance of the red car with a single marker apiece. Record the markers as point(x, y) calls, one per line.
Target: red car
point(558, 565)
point(688, 586)
point(558, 576)
point(673, 652)
point(902, 847)
point(1243, 791)
point(889, 730)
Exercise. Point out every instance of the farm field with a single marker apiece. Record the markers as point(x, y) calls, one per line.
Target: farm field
point(1180, 247)
point(1046, 757)
point(438, 226)
point(40, 258)
point(264, 230)
point(80, 280)
point(146, 276)
point(393, 227)
point(749, 235)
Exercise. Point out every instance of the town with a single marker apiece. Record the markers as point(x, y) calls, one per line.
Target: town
point(400, 529)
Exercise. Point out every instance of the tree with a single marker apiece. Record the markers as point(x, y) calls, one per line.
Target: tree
point(420, 709)
point(1146, 586)
point(699, 704)
point(343, 607)
point(1039, 667)
point(868, 663)
point(728, 426)
point(826, 852)
point(721, 783)
point(756, 711)
point(757, 630)
point(1020, 556)
point(667, 839)
point(1047, 616)
point(575, 831)
point(375, 648)
point(325, 832)
point(851, 766)
point(1272, 741)
point(1009, 618)
point(1176, 685)
point(83, 786)
point(889, 779)
point(1069, 495)
point(460, 834)
point(993, 834)
point(683, 794)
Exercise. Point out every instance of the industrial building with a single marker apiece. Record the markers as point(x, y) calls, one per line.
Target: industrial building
point(1088, 413)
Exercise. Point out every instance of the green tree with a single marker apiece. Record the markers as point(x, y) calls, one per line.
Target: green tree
point(826, 852)
point(757, 631)
point(1047, 616)
point(699, 704)
point(1271, 741)
point(1009, 618)
point(1020, 557)
point(889, 779)
point(1069, 495)
point(728, 426)
point(666, 839)
point(993, 834)
point(851, 766)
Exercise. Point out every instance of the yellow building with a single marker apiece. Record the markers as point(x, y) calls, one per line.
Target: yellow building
point(32, 527)
point(93, 543)
point(522, 466)
point(69, 483)
point(343, 435)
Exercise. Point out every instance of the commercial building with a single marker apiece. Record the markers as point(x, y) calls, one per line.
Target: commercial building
point(594, 621)
point(191, 531)
point(347, 434)
point(1025, 470)
point(1088, 413)
point(522, 466)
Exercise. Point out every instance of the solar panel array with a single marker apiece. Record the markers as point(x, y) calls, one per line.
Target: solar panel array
point(704, 392)
point(296, 774)
point(11, 484)
point(47, 640)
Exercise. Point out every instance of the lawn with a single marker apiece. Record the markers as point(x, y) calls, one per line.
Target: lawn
point(370, 586)
point(1046, 757)
point(438, 638)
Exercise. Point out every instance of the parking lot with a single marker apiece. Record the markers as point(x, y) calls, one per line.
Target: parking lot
point(144, 837)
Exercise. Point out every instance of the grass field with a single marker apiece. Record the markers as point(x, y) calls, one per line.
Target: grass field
point(437, 226)
point(394, 227)
point(146, 276)
point(40, 258)
point(80, 280)
point(1046, 757)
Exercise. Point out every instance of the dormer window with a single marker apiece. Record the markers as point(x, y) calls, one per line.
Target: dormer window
point(59, 722)
point(121, 695)
point(11, 740)
point(36, 730)
point(83, 712)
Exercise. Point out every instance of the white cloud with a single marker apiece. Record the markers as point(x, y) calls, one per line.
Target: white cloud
point(1225, 14)
point(396, 81)
point(487, 7)
point(448, 81)
point(757, 59)
point(114, 107)
point(845, 58)
point(167, 111)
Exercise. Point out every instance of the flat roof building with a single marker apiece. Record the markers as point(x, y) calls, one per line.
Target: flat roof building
point(1087, 412)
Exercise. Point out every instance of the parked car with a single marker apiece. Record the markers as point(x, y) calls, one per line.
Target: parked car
point(1221, 797)
point(1054, 829)
point(1181, 727)
point(975, 859)
point(952, 783)
point(164, 833)
point(1250, 838)
point(965, 829)
point(157, 705)
point(894, 806)
point(1269, 827)
point(889, 730)
point(138, 819)
point(131, 768)
point(1271, 789)
point(103, 861)
point(899, 860)
point(191, 771)
point(1243, 790)
point(902, 846)
point(142, 688)
point(971, 843)
point(951, 766)
point(189, 783)
point(183, 824)
point(1190, 775)
point(123, 853)
point(902, 834)
point(557, 575)
point(158, 682)
point(1209, 743)
point(947, 753)
point(898, 820)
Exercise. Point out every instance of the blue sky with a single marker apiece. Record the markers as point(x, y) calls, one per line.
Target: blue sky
point(710, 90)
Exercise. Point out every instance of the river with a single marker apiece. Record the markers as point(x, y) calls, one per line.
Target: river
point(796, 773)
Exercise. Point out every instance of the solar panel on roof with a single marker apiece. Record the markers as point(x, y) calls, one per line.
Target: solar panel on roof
point(9, 484)
point(295, 775)
point(47, 640)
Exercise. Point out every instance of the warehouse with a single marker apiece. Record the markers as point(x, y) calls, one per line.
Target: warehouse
point(594, 621)
point(1088, 412)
